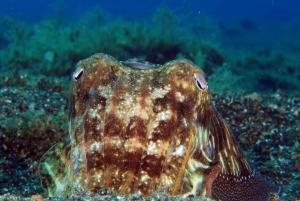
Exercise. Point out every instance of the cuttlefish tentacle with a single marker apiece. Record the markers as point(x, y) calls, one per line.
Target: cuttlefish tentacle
point(56, 179)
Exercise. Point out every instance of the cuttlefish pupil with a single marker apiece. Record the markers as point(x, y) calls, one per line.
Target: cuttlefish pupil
point(141, 128)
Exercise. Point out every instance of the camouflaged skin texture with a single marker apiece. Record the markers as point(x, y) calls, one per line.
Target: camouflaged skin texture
point(145, 131)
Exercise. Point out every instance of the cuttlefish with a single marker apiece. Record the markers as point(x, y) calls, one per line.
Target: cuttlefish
point(140, 128)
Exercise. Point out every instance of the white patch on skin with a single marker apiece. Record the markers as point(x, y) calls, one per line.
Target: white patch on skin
point(166, 180)
point(121, 114)
point(151, 148)
point(128, 100)
point(163, 116)
point(129, 108)
point(116, 141)
point(154, 148)
point(98, 127)
point(95, 146)
point(145, 178)
point(106, 92)
point(185, 122)
point(160, 92)
point(132, 126)
point(179, 97)
point(98, 176)
point(155, 124)
point(180, 151)
point(125, 113)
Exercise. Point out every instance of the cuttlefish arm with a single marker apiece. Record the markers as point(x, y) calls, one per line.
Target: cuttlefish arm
point(55, 169)
point(234, 177)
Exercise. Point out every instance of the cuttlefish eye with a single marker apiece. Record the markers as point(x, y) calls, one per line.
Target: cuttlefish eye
point(201, 81)
point(78, 74)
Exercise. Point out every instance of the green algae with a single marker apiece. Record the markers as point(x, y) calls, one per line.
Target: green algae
point(51, 47)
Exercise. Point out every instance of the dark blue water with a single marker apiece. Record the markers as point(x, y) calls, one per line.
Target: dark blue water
point(272, 10)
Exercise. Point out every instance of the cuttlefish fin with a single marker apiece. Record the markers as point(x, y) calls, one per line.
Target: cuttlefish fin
point(54, 169)
point(234, 177)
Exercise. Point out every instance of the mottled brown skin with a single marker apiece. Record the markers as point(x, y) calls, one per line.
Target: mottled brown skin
point(145, 131)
